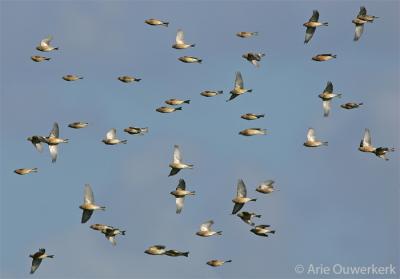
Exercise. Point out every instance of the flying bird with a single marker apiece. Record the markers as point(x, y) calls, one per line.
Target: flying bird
point(254, 58)
point(311, 25)
point(89, 205)
point(71, 77)
point(111, 138)
point(156, 250)
point(25, 171)
point(38, 58)
point(167, 109)
point(215, 263)
point(156, 22)
point(359, 23)
point(241, 197)
point(136, 130)
point(128, 79)
point(53, 140)
point(327, 95)
point(190, 59)
point(175, 102)
point(323, 57)
point(180, 41)
point(247, 216)
point(363, 15)
point(177, 163)
point(180, 194)
point(211, 93)
point(245, 34)
point(366, 146)
point(266, 187)
point(109, 232)
point(205, 230)
point(176, 253)
point(311, 141)
point(45, 45)
point(262, 230)
point(37, 259)
point(251, 116)
point(253, 132)
point(351, 105)
point(78, 125)
point(238, 87)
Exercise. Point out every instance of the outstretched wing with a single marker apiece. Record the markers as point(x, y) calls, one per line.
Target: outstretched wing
point(179, 204)
point(180, 37)
point(88, 196)
point(309, 34)
point(206, 226)
point(311, 134)
point(367, 138)
point(53, 152)
point(358, 32)
point(46, 42)
point(241, 189)
point(112, 134)
point(35, 264)
point(173, 172)
point(329, 87)
point(111, 239)
point(239, 80)
point(181, 185)
point(327, 107)
point(315, 16)
point(363, 11)
point(55, 132)
point(86, 215)
point(237, 207)
point(177, 155)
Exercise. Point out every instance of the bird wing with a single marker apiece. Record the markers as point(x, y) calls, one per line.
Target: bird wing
point(233, 96)
point(329, 87)
point(177, 154)
point(358, 32)
point(180, 37)
point(241, 189)
point(363, 11)
point(88, 196)
point(46, 42)
point(55, 132)
point(35, 264)
point(327, 107)
point(86, 215)
point(315, 16)
point(367, 138)
point(173, 172)
point(181, 185)
point(111, 239)
point(239, 80)
point(263, 226)
point(309, 34)
point(179, 204)
point(112, 134)
point(38, 145)
point(206, 226)
point(255, 63)
point(53, 152)
point(268, 182)
point(237, 207)
point(311, 134)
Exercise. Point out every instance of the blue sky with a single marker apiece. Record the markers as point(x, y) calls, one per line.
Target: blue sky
point(335, 204)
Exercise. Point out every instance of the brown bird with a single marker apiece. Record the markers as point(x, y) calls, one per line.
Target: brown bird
point(89, 205)
point(128, 79)
point(262, 230)
point(53, 140)
point(363, 15)
point(327, 95)
point(245, 34)
point(241, 197)
point(252, 116)
point(247, 216)
point(71, 77)
point(253, 58)
point(177, 163)
point(253, 132)
point(216, 263)
point(190, 59)
point(175, 102)
point(176, 253)
point(37, 259)
point(45, 45)
point(205, 230)
point(359, 23)
point(156, 22)
point(136, 130)
point(167, 109)
point(180, 41)
point(366, 146)
point(210, 93)
point(25, 171)
point(351, 105)
point(111, 138)
point(156, 250)
point(180, 194)
point(38, 58)
point(109, 232)
point(323, 57)
point(78, 125)
point(311, 25)
point(238, 87)
point(266, 187)
point(311, 141)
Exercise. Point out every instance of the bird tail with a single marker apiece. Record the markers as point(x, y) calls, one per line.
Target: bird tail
point(339, 95)
point(334, 56)
point(228, 261)
point(35, 170)
point(145, 130)
point(220, 92)
point(178, 108)
point(186, 254)
point(255, 33)
point(261, 115)
point(253, 200)
point(192, 193)
point(257, 216)
point(65, 140)
point(200, 60)
point(360, 104)
point(123, 232)
point(273, 231)
point(325, 143)
point(325, 23)
point(138, 79)
point(124, 141)
point(250, 90)
point(50, 256)
point(48, 59)
point(103, 208)
point(392, 149)
point(80, 77)
point(165, 24)
point(187, 102)
point(56, 48)
point(193, 45)
point(219, 232)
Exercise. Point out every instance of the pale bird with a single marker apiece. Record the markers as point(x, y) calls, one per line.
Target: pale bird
point(37, 259)
point(312, 141)
point(180, 194)
point(78, 125)
point(180, 41)
point(327, 95)
point(109, 232)
point(216, 263)
point(167, 109)
point(89, 205)
point(176, 253)
point(53, 140)
point(246, 34)
point(253, 132)
point(205, 230)
point(38, 58)
point(45, 45)
point(262, 230)
point(241, 197)
point(155, 250)
point(136, 130)
point(238, 87)
point(247, 216)
point(266, 187)
point(254, 58)
point(71, 77)
point(351, 105)
point(211, 93)
point(251, 116)
point(311, 25)
point(25, 171)
point(111, 138)
point(177, 163)
point(37, 142)
point(366, 146)
point(190, 59)
point(156, 22)
point(128, 79)
point(323, 57)
point(175, 102)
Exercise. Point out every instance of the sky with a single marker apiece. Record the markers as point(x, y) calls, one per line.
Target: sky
point(336, 205)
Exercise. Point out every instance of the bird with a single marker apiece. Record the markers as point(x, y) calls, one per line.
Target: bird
point(167, 109)
point(266, 187)
point(25, 171)
point(253, 132)
point(262, 230)
point(190, 59)
point(216, 263)
point(205, 230)
point(247, 216)
point(180, 41)
point(45, 45)
point(111, 138)
point(38, 58)
point(366, 146)
point(176, 253)
point(251, 116)
point(359, 23)
point(71, 77)
point(109, 232)
point(175, 102)
point(323, 57)
point(37, 142)
point(254, 58)
point(156, 250)
point(351, 105)
point(156, 22)
point(136, 130)
point(245, 34)
point(177, 163)
point(363, 15)
point(312, 24)
point(37, 259)
point(211, 93)
point(78, 125)
point(180, 194)
point(89, 205)
point(238, 87)
point(128, 79)
point(311, 141)
point(241, 197)
point(327, 95)
point(53, 140)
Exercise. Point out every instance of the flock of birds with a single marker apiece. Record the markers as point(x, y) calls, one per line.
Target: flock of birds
point(177, 164)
